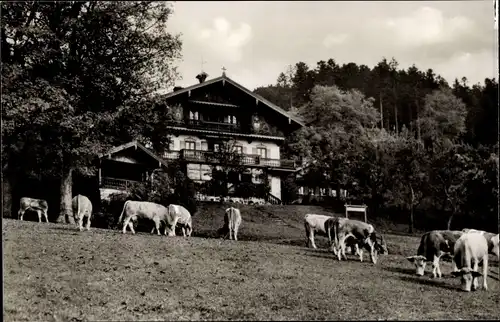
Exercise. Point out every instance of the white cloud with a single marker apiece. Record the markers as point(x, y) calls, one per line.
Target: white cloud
point(427, 26)
point(225, 41)
point(333, 40)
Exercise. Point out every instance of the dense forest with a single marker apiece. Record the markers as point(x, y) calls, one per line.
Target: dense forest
point(396, 139)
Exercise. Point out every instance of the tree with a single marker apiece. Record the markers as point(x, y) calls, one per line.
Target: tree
point(86, 67)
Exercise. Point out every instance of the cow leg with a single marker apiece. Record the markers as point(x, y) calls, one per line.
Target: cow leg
point(342, 248)
point(436, 271)
point(235, 233)
point(157, 226)
point(311, 239)
point(88, 222)
point(183, 231)
point(131, 226)
point(80, 223)
point(46, 217)
point(360, 253)
point(39, 213)
point(125, 224)
point(485, 272)
point(454, 265)
point(475, 268)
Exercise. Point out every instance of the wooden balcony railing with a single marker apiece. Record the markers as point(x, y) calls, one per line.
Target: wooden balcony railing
point(244, 159)
point(119, 184)
point(208, 125)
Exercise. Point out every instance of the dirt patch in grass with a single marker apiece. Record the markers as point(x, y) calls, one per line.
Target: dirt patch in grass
point(56, 273)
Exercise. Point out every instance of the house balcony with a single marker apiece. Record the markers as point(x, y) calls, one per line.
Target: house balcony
point(209, 125)
point(210, 157)
point(118, 184)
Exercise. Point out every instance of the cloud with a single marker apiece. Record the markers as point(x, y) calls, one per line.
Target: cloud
point(333, 40)
point(428, 26)
point(225, 41)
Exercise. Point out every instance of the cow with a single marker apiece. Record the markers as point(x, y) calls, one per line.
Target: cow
point(363, 235)
point(434, 245)
point(82, 207)
point(38, 205)
point(132, 210)
point(491, 238)
point(232, 222)
point(315, 223)
point(184, 221)
point(469, 250)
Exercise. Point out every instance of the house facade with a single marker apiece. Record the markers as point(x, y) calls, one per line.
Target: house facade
point(207, 116)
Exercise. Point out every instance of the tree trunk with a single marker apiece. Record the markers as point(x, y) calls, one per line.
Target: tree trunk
point(65, 210)
point(6, 195)
point(449, 221)
point(381, 112)
point(410, 226)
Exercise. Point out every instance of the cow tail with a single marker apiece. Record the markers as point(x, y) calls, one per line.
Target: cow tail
point(123, 211)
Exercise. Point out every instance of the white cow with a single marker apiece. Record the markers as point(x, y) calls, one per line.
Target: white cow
point(469, 251)
point(38, 205)
point(491, 238)
point(132, 210)
point(185, 221)
point(434, 245)
point(232, 222)
point(315, 224)
point(82, 207)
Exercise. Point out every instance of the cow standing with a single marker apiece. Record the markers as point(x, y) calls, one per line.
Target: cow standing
point(82, 207)
point(491, 239)
point(470, 249)
point(132, 210)
point(315, 224)
point(232, 222)
point(434, 245)
point(363, 235)
point(38, 205)
point(184, 220)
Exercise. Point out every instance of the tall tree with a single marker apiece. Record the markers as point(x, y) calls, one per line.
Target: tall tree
point(99, 60)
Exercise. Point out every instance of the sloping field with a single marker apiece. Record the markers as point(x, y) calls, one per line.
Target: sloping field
point(56, 273)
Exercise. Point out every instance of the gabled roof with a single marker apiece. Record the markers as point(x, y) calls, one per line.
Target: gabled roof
point(240, 87)
point(136, 144)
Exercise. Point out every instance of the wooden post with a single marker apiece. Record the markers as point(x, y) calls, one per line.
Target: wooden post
point(100, 174)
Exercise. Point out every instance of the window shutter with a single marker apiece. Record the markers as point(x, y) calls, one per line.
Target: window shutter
point(198, 145)
point(254, 150)
point(183, 144)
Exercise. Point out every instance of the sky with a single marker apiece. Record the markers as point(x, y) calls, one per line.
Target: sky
point(256, 40)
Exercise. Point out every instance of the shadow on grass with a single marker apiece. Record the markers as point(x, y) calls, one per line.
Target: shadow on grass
point(426, 281)
point(402, 270)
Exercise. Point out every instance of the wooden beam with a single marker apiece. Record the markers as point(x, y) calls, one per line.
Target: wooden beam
point(256, 101)
point(289, 121)
point(189, 93)
point(223, 82)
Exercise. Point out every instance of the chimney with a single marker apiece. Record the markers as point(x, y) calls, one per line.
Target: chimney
point(202, 76)
point(178, 88)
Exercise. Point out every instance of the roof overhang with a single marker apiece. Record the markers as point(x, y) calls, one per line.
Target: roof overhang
point(136, 145)
point(258, 98)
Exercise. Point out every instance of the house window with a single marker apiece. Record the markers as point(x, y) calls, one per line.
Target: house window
point(231, 119)
point(262, 152)
point(193, 115)
point(216, 147)
point(238, 149)
point(190, 145)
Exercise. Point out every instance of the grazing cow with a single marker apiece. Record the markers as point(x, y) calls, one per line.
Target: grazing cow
point(363, 235)
point(38, 205)
point(470, 249)
point(232, 222)
point(185, 221)
point(315, 223)
point(434, 245)
point(132, 210)
point(82, 207)
point(491, 238)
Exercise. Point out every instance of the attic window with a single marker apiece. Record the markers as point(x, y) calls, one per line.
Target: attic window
point(231, 119)
point(193, 115)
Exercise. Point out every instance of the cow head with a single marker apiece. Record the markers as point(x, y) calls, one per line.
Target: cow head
point(468, 278)
point(419, 262)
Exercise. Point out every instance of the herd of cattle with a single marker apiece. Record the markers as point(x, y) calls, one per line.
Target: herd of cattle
point(467, 248)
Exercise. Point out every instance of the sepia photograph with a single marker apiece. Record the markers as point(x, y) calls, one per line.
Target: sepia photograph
point(250, 160)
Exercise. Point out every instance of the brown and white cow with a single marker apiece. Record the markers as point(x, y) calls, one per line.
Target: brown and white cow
point(491, 238)
point(38, 205)
point(362, 235)
point(82, 207)
point(232, 222)
point(185, 221)
point(315, 224)
point(133, 210)
point(434, 245)
point(469, 250)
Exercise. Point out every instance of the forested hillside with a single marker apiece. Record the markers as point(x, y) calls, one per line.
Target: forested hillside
point(398, 140)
